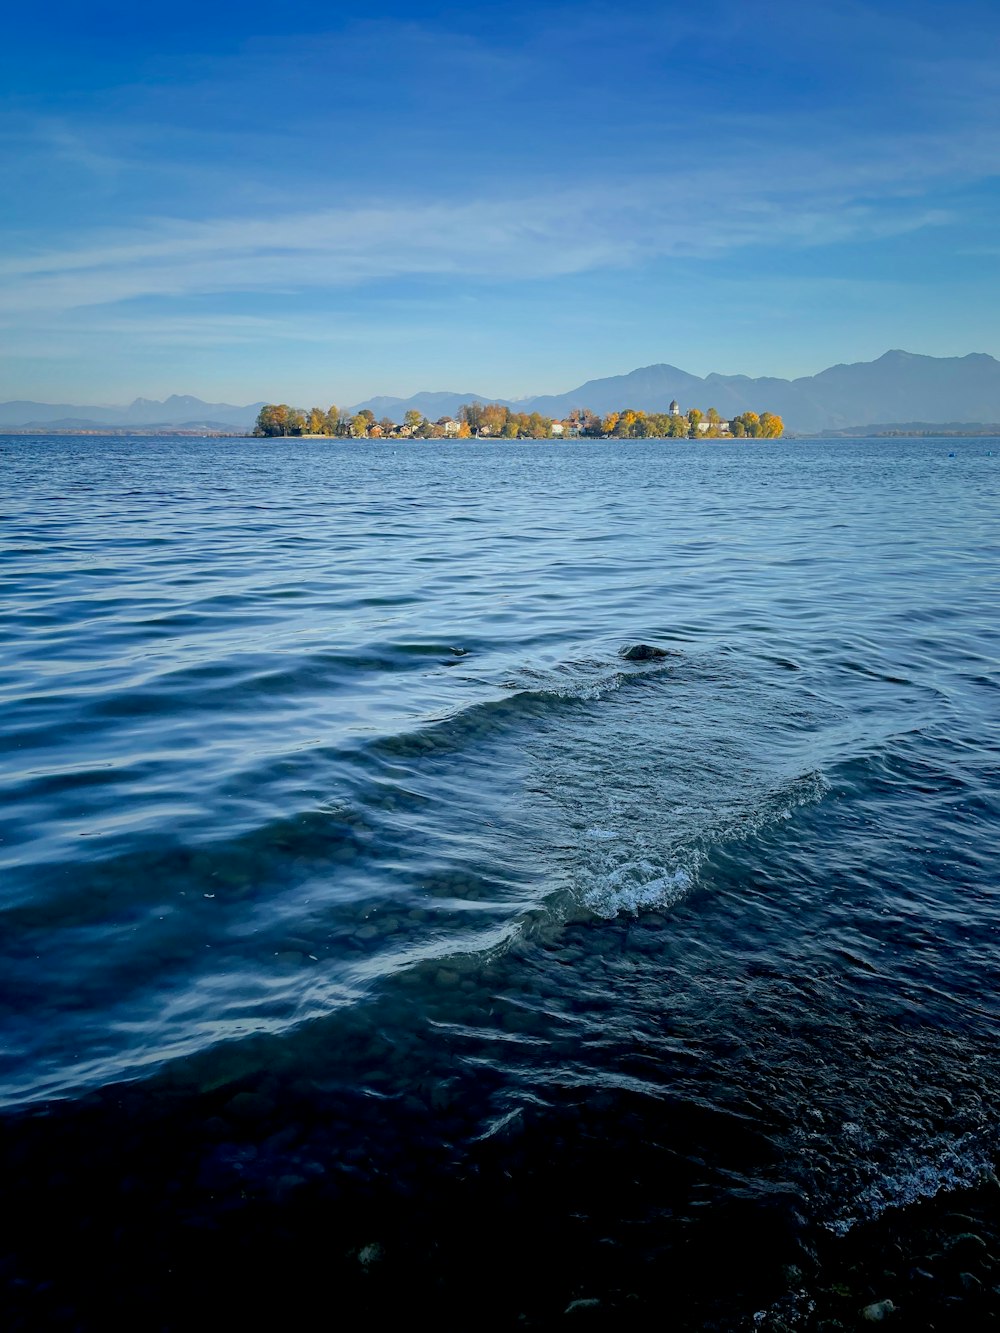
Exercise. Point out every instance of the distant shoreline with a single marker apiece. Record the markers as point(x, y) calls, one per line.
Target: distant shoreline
point(975, 430)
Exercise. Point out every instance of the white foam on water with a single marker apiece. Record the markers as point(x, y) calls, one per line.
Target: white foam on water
point(653, 863)
point(961, 1164)
point(588, 679)
point(633, 885)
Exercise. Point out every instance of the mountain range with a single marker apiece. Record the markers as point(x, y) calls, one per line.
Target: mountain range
point(179, 411)
point(898, 387)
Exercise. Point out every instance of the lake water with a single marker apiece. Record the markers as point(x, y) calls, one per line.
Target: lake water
point(352, 880)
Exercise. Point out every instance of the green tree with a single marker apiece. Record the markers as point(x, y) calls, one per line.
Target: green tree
point(413, 420)
point(628, 423)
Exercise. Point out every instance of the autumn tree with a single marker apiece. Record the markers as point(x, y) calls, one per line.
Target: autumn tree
point(771, 426)
point(413, 420)
point(472, 415)
point(493, 419)
point(625, 428)
point(362, 422)
point(271, 419)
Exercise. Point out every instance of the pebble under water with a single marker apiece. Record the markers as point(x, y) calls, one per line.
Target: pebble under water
point(377, 938)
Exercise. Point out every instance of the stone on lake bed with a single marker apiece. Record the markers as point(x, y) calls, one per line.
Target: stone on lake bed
point(877, 1311)
point(583, 1305)
point(643, 652)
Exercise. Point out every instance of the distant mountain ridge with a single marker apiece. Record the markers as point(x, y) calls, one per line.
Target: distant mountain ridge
point(897, 387)
point(177, 410)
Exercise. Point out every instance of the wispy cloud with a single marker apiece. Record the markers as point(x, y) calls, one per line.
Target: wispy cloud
point(499, 239)
point(281, 188)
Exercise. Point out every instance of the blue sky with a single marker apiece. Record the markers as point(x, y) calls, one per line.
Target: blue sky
point(317, 202)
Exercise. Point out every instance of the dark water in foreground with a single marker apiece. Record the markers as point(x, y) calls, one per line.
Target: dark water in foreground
point(370, 926)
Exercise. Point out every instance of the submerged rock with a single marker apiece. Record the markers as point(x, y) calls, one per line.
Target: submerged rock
point(583, 1305)
point(877, 1311)
point(642, 652)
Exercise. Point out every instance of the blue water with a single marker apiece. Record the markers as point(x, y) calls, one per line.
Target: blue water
point(322, 757)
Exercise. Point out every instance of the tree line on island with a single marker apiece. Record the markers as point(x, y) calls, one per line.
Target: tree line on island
point(495, 421)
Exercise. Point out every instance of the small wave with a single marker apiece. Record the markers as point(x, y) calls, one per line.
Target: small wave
point(639, 884)
point(944, 1167)
point(570, 689)
point(530, 694)
point(623, 881)
point(588, 679)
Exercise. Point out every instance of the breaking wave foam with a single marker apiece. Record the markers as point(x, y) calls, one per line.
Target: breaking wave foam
point(619, 874)
point(961, 1164)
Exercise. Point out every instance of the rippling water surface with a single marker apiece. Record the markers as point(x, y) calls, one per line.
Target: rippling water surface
point(324, 786)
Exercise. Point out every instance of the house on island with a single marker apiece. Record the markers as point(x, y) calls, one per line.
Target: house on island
point(704, 426)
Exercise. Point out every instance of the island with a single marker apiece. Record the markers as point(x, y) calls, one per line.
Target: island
point(496, 421)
